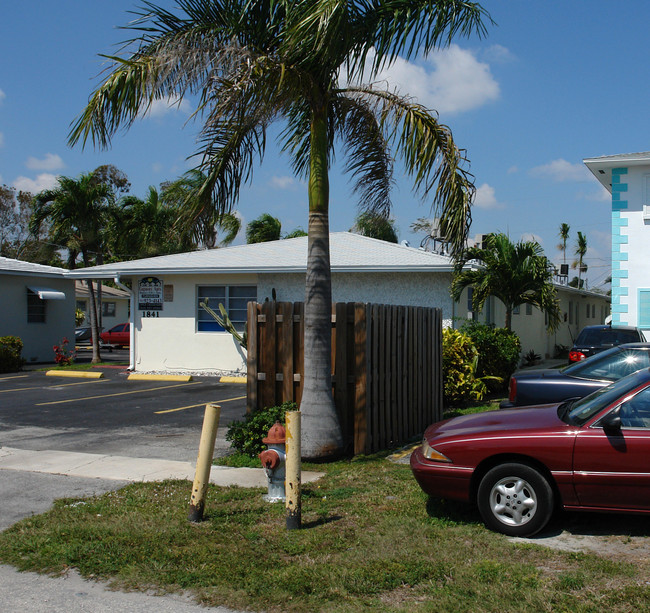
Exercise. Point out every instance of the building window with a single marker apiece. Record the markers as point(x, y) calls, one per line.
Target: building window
point(644, 308)
point(108, 309)
point(593, 310)
point(81, 305)
point(529, 309)
point(515, 310)
point(35, 308)
point(235, 299)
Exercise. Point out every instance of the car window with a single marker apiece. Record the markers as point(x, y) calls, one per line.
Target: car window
point(584, 409)
point(611, 365)
point(635, 413)
point(607, 336)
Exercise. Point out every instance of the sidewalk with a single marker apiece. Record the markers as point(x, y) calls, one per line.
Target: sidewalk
point(123, 468)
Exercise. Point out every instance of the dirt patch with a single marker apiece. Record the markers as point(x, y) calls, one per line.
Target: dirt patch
point(615, 536)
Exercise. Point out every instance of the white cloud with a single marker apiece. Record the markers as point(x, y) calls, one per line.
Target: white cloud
point(157, 167)
point(562, 171)
point(485, 198)
point(42, 181)
point(160, 108)
point(2, 139)
point(2, 96)
point(283, 182)
point(498, 54)
point(51, 161)
point(450, 80)
point(513, 170)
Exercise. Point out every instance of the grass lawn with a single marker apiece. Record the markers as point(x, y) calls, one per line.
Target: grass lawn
point(371, 541)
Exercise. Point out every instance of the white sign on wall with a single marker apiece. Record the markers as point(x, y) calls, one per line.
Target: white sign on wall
point(150, 296)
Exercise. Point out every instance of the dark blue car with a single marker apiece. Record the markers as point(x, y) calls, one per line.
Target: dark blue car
point(542, 386)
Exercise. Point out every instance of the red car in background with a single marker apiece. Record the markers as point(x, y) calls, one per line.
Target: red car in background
point(117, 336)
point(517, 465)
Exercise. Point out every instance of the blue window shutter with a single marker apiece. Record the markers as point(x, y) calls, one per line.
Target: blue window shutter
point(644, 308)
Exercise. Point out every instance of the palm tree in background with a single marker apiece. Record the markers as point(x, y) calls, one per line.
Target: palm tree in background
point(564, 236)
point(196, 213)
point(252, 62)
point(375, 226)
point(263, 229)
point(514, 273)
point(78, 212)
point(580, 252)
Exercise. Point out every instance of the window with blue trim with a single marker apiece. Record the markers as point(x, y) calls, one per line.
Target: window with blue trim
point(235, 299)
point(644, 308)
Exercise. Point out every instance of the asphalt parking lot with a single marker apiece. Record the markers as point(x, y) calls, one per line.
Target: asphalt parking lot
point(112, 415)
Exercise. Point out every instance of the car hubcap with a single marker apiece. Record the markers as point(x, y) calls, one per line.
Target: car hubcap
point(513, 501)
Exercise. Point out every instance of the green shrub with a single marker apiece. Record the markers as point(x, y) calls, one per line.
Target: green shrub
point(246, 436)
point(459, 360)
point(10, 350)
point(498, 352)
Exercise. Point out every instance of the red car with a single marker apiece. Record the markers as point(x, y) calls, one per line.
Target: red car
point(119, 335)
point(587, 454)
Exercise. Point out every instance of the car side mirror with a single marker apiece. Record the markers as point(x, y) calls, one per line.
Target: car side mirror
point(612, 421)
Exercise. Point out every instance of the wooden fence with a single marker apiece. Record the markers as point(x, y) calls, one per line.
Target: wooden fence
point(386, 367)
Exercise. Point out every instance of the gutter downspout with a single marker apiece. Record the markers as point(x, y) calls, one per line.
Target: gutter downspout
point(131, 293)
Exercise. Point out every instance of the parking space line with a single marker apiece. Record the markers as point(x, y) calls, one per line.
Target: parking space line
point(151, 389)
point(201, 404)
point(48, 387)
point(14, 377)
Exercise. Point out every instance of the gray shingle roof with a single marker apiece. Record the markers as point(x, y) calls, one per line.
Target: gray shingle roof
point(348, 253)
point(18, 267)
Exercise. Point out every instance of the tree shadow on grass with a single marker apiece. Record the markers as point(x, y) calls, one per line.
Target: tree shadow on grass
point(452, 512)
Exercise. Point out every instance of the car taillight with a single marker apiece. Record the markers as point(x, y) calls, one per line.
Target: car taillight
point(576, 356)
point(513, 389)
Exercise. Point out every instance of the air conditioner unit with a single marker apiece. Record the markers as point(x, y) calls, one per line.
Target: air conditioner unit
point(564, 270)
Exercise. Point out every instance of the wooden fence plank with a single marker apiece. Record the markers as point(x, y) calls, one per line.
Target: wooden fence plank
point(268, 354)
point(299, 348)
point(341, 367)
point(251, 358)
point(286, 350)
point(361, 438)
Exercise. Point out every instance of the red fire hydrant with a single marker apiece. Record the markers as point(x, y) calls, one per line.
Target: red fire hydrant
point(273, 460)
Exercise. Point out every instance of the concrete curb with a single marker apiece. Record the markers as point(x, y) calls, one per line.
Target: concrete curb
point(232, 380)
point(138, 377)
point(76, 374)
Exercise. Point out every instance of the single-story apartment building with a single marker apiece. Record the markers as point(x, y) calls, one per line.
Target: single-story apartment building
point(172, 332)
point(37, 304)
point(115, 303)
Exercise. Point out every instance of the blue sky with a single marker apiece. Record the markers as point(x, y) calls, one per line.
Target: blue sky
point(551, 84)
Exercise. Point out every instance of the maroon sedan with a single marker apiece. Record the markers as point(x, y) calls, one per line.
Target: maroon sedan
point(119, 335)
point(588, 454)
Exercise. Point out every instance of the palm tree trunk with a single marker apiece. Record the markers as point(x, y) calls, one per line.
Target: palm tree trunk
point(321, 431)
point(508, 323)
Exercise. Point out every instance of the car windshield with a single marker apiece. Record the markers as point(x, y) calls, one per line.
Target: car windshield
point(610, 365)
point(606, 336)
point(579, 412)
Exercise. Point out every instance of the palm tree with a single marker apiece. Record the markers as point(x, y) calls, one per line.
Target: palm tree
point(375, 226)
point(252, 62)
point(581, 252)
point(196, 213)
point(514, 273)
point(145, 228)
point(77, 211)
point(564, 235)
point(264, 228)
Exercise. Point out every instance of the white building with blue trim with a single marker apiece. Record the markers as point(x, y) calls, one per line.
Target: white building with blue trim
point(627, 178)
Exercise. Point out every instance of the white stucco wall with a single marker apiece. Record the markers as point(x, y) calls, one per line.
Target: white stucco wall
point(171, 342)
point(38, 338)
point(410, 289)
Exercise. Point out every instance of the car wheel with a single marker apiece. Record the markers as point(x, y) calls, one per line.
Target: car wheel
point(515, 499)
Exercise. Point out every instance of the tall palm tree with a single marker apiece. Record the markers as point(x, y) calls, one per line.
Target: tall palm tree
point(252, 62)
point(370, 224)
point(264, 228)
point(197, 213)
point(514, 273)
point(580, 252)
point(77, 211)
point(564, 236)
